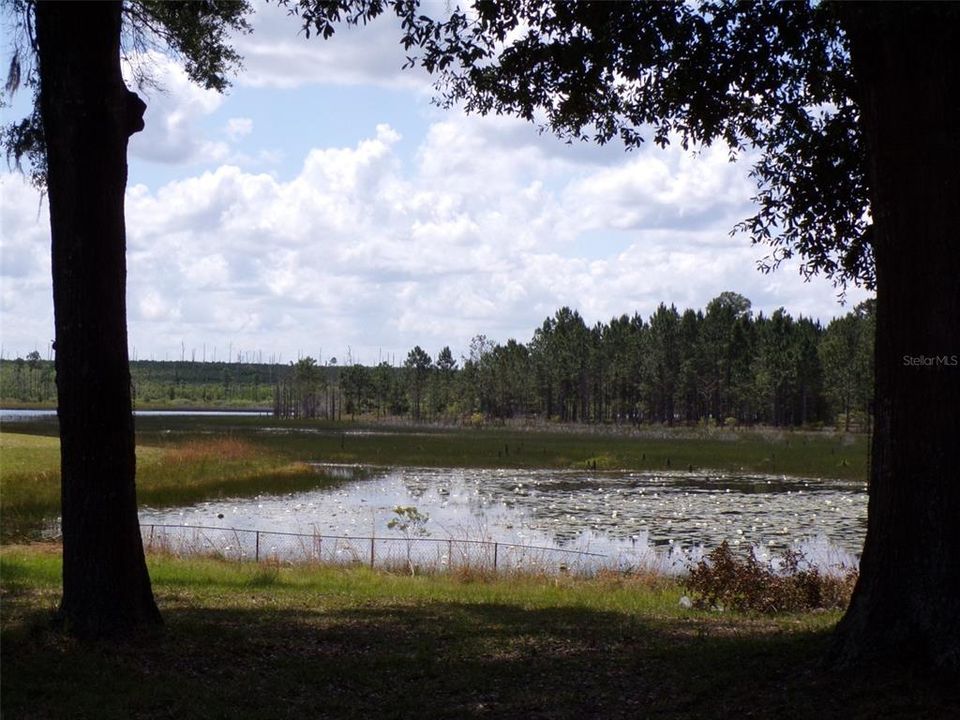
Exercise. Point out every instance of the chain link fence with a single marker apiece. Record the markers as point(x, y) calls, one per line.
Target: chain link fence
point(414, 554)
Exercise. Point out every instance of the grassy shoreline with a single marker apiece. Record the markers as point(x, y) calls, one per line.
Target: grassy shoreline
point(182, 460)
point(319, 642)
point(182, 473)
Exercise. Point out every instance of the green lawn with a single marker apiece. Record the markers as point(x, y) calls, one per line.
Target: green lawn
point(262, 642)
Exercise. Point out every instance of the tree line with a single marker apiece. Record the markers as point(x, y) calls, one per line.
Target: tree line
point(31, 381)
point(723, 365)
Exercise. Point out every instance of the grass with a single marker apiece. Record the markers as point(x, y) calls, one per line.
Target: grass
point(29, 475)
point(194, 470)
point(807, 454)
point(169, 474)
point(274, 642)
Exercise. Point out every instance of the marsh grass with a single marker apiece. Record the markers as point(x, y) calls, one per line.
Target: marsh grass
point(318, 642)
point(197, 469)
point(170, 474)
point(799, 453)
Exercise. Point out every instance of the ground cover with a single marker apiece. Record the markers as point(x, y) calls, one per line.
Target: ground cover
point(272, 642)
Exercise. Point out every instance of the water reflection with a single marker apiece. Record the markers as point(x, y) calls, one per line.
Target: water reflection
point(603, 512)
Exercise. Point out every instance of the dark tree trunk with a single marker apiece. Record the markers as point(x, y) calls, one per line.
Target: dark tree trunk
point(906, 606)
point(88, 116)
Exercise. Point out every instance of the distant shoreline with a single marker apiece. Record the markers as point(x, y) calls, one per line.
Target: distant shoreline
point(151, 407)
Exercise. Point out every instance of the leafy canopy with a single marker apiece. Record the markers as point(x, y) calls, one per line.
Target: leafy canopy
point(772, 81)
point(197, 33)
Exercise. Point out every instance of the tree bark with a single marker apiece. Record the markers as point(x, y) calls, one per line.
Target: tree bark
point(88, 115)
point(906, 605)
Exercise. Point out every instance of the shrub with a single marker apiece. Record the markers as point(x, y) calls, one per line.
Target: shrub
point(722, 580)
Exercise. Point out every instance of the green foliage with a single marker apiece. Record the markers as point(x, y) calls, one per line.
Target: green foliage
point(355, 383)
point(197, 32)
point(560, 351)
point(419, 367)
point(661, 359)
point(725, 366)
point(409, 521)
point(846, 356)
point(27, 381)
point(31, 381)
point(724, 581)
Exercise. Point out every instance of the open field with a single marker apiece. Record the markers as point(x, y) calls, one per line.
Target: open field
point(186, 459)
point(317, 642)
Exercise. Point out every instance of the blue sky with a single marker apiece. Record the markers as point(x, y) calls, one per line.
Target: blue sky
point(324, 206)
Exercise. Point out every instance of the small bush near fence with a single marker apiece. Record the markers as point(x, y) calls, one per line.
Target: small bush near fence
point(722, 580)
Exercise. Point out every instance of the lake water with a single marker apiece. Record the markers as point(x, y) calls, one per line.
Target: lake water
point(9, 415)
point(630, 515)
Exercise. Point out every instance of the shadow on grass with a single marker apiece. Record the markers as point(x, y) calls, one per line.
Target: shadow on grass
point(441, 660)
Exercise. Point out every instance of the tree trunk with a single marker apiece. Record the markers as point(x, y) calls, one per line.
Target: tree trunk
point(88, 116)
point(905, 607)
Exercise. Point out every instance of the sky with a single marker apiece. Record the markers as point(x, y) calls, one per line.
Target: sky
point(324, 206)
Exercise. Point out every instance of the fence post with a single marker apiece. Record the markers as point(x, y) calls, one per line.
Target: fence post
point(258, 547)
point(449, 554)
point(496, 546)
point(371, 551)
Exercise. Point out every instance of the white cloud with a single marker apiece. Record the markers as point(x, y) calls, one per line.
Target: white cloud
point(482, 233)
point(26, 311)
point(152, 305)
point(238, 127)
point(278, 54)
point(175, 108)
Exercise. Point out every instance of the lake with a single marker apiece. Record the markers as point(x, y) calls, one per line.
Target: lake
point(625, 515)
point(18, 415)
